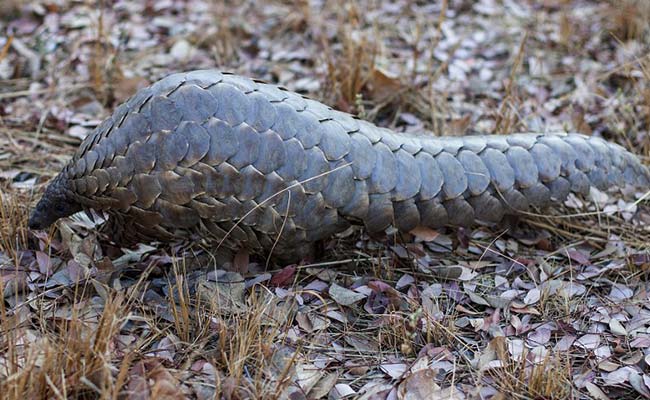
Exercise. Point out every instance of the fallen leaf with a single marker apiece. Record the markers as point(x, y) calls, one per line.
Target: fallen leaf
point(341, 390)
point(588, 342)
point(638, 383)
point(395, 370)
point(404, 281)
point(419, 385)
point(343, 296)
point(578, 256)
point(619, 376)
point(307, 376)
point(285, 277)
point(323, 386)
point(595, 391)
point(226, 295)
point(532, 297)
point(617, 328)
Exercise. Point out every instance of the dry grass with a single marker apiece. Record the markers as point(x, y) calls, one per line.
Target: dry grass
point(250, 349)
point(548, 378)
point(61, 357)
point(13, 224)
point(357, 79)
point(75, 352)
point(507, 117)
point(245, 345)
point(350, 67)
point(153, 327)
point(629, 19)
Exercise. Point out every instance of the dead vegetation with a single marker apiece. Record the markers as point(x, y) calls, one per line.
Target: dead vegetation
point(69, 357)
point(555, 307)
point(530, 376)
point(629, 19)
point(358, 78)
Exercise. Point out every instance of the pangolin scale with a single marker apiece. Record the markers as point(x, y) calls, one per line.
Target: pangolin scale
point(219, 158)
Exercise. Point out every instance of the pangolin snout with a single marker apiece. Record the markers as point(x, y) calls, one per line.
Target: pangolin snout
point(43, 215)
point(53, 205)
point(36, 221)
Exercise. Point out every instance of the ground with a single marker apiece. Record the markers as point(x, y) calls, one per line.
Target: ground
point(554, 306)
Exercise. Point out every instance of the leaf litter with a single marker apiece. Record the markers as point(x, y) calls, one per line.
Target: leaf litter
point(550, 307)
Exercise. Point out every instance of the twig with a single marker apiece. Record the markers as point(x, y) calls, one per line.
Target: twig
point(499, 128)
point(28, 92)
point(5, 48)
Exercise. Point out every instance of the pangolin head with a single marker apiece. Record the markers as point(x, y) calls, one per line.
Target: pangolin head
point(56, 203)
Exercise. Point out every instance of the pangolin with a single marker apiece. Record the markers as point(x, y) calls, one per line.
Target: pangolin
point(216, 157)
